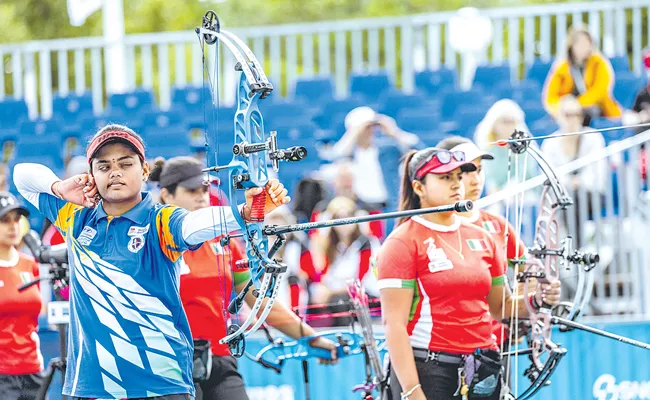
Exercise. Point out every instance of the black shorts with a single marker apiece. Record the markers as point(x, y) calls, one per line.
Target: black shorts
point(20, 387)
point(225, 382)
point(439, 382)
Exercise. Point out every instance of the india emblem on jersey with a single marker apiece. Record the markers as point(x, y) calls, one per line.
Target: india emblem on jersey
point(477, 244)
point(491, 226)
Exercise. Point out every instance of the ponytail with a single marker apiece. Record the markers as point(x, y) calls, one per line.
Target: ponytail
point(155, 174)
point(408, 199)
point(156, 169)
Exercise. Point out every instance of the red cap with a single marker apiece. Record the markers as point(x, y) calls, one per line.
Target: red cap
point(110, 136)
point(434, 166)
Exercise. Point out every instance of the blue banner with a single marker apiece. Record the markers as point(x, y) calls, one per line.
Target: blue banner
point(594, 368)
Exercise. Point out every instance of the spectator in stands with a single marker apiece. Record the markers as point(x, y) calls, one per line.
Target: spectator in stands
point(309, 192)
point(501, 120)
point(137, 245)
point(342, 185)
point(208, 274)
point(295, 253)
point(585, 73)
point(560, 151)
point(345, 252)
point(361, 144)
point(21, 357)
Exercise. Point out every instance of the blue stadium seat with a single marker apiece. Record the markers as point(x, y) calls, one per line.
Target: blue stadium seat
point(475, 97)
point(393, 102)
point(418, 120)
point(544, 126)
point(40, 127)
point(314, 89)
point(72, 106)
point(12, 111)
point(161, 119)
point(191, 97)
point(527, 91)
point(538, 71)
point(620, 64)
point(10, 132)
point(432, 81)
point(284, 110)
point(626, 86)
point(332, 111)
point(290, 128)
point(468, 117)
point(46, 145)
point(168, 141)
point(534, 111)
point(489, 76)
point(370, 86)
point(131, 103)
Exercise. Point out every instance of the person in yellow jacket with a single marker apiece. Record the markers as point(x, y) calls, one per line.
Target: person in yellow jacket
point(586, 74)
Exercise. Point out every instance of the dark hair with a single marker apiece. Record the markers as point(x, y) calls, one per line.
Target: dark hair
point(572, 37)
point(156, 172)
point(408, 199)
point(450, 142)
point(119, 128)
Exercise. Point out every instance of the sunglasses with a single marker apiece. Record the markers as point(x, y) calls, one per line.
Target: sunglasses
point(444, 157)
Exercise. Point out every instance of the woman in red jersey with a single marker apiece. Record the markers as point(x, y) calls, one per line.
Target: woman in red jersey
point(207, 281)
point(494, 224)
point(19, 345)
point(440, 279)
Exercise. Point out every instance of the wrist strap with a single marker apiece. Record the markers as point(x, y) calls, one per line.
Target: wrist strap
point(406, 395)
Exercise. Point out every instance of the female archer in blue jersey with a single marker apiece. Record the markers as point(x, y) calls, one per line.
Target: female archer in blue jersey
point(129, 336)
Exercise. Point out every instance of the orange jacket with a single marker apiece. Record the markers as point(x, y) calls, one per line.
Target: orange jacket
point(599, 81)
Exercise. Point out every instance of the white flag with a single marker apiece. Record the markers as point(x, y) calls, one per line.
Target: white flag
point(79, 10)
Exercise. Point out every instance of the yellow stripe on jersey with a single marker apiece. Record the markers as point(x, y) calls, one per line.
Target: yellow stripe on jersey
point(165, 236)
point(65, 218)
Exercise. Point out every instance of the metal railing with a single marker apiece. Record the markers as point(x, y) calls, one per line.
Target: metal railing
point(401, 46)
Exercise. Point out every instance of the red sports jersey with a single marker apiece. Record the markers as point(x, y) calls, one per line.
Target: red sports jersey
point(206, 287)
point(451, 270)
point(19, 344)
point(515, 249)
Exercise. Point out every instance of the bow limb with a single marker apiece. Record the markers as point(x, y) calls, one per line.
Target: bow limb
point(548, 256)
point(248, 169)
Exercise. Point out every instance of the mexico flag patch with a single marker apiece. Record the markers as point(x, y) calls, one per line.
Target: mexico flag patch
point(491, 226)
point(26, 277)
point(477, 244)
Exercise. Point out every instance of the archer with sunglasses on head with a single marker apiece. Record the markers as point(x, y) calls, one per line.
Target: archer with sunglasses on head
point(208, 277)
point(440, 278)
point(129, 336)
point(496, 225)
